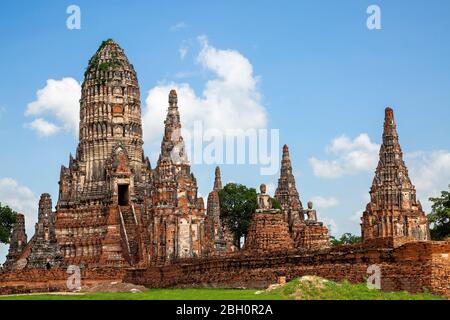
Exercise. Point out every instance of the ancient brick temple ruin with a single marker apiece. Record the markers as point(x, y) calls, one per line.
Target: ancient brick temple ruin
point(306, 233)
point(286, 228)
point(119, 219)
point(220, 238)
point(44, 250)
point(17, 243)
point(268, 230)
point(113, 208)
point(393, 215)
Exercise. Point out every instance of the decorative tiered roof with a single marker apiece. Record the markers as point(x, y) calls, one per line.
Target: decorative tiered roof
point(393, 211)
point(172, 145)
point(110, 123)
point(391, 185)
point(217, 180)
point(286, 192)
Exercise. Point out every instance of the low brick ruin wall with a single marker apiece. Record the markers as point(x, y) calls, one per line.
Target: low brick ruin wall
point(411, 267)
point(37, 280)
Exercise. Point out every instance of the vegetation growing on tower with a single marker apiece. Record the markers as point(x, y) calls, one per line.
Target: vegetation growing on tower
point(94, 63)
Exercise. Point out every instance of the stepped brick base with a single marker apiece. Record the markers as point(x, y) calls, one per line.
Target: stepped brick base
point(268, 232)
point(310, 235)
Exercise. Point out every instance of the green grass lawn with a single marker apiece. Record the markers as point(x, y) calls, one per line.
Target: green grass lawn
point(296, 289)
point(155, 294)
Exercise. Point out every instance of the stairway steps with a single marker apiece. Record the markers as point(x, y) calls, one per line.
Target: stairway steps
point(132, 233)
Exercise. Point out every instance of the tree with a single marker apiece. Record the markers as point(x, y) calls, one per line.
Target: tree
point(7, 220)
point(440, 216)
point(346, 238)
point(237, 206)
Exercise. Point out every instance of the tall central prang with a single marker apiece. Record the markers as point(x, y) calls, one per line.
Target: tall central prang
point(110, 135)
point(102, 192)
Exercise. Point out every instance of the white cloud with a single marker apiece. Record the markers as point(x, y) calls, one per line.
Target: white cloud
point(178, 26)
point(430, 173)
point(326, 168)
point(43, 128)
point(21, 199)
point(324, 203)
point(229, 101)
point(351, 157)
point(331, 224)
point(60, 100)
point(184, 74)
point(183, 51)
point(356, 217)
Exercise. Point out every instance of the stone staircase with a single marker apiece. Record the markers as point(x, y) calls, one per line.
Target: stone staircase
point(130, 233)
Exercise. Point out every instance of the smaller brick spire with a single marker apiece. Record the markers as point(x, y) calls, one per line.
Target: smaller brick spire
point(17, 243)
point(217, 180)
point(390, 135)
point(286, 192)
point(218, 236)
point(286, 150)
point(172, 144)
point(173, 98)
point(45, 251)
point(394, 211)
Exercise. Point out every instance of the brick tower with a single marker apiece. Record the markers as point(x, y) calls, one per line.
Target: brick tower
point(17, 243)
point(218, 236)
point(44, 251)
point(286, 192)
point(101, 193)
point(306, 233)
point(176, 215)
point(393, 215)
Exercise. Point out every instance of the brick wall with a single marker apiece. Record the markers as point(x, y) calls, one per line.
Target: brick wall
point(411, 267)
point(40, 280)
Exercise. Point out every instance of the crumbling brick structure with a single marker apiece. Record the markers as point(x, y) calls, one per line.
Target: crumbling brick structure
point(176, 214)
point(102, 193)
point(219, 237)
point(268, 232)
point(394, 215)
point(307, 233)
point(44, 251)
point(119, 219)
point(17, 244)
point(411, 267)
point(286, 192)
point(268, 229)
point(113, 209)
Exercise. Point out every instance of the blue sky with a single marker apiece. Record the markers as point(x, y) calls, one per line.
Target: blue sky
point(319, 73)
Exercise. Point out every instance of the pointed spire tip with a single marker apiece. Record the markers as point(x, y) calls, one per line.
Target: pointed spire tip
point(389, 112)
point(173, 96)
point(217, 180)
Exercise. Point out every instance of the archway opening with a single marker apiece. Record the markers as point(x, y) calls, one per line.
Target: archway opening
point(123, 194)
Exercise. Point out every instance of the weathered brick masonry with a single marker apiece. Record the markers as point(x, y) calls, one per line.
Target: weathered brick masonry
point(119, 219)
point(410, 267)
point(55, 280)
